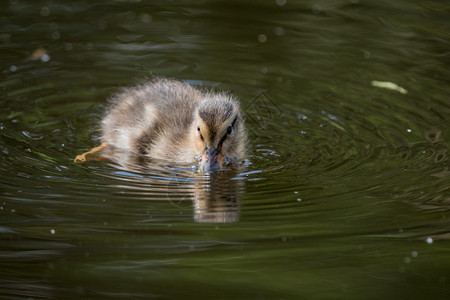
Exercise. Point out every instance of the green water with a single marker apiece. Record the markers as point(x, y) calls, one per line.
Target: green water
point(345, 194)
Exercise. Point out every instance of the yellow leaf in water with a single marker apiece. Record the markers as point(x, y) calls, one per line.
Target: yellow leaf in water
point(389, 85)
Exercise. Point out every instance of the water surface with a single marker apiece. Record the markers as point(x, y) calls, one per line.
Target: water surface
point(346, 190)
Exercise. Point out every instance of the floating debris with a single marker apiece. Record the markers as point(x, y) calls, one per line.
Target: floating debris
point(389, 85)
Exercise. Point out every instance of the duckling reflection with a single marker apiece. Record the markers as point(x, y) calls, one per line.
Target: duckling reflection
point(172, 121)
point(215, 196)
point(217, 199)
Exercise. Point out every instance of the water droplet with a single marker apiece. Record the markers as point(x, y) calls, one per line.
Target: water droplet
point(299, 199)
point(429, 240)
point(281, 2)
point(408, 130)
point(52, 231)
point(407, 260)
point(13, 68)
point(414, 253)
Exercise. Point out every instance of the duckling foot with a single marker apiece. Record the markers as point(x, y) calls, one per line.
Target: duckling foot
point(82, 158)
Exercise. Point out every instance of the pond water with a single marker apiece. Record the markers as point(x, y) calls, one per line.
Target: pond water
point(345, 193)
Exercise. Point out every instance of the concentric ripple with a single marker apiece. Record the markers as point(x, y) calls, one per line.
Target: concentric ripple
point(345, 193)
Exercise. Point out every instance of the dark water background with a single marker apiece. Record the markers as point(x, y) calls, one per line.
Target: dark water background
point(346, 191)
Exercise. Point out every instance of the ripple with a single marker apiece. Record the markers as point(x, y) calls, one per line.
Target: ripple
point(343, 178)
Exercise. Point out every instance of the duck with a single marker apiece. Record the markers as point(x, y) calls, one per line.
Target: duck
point(173, 121)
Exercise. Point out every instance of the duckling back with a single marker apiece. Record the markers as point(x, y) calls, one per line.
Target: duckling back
point(152, 119)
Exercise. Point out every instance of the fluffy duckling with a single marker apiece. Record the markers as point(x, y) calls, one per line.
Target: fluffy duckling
point(173, 121)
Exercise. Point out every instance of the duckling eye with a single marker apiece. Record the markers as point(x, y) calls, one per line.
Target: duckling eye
point(229, 129)
point(199, 132)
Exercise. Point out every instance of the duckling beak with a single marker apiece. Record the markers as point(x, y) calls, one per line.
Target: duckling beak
point(211, 164)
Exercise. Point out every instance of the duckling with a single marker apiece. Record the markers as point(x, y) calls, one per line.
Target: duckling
point(172, 121)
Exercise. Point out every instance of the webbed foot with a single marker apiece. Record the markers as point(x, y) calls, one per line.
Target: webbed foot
point(82, 158)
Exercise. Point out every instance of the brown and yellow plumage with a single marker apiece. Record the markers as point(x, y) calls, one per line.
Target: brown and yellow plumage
point(173, 121)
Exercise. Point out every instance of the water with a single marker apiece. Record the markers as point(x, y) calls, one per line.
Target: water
point(346, 190)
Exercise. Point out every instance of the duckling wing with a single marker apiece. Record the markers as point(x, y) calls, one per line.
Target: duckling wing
point(151, 119)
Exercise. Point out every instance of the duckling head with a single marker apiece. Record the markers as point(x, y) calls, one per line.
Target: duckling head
point(218, 133)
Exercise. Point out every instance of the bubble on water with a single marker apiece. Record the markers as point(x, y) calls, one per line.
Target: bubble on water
point(429, 240)
point(145, 18)
point(299, 199)
point(45, 58)
point(262, 38)
point(414, 253)
point(56, 35)
point(408, 130)
point(295, 192)
point(13, 68)
point(281, 2)
point(279, 31)
point(52, 231)
point(45, 11)
point(102, 24)
point(317, 9)
point(407, 260)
